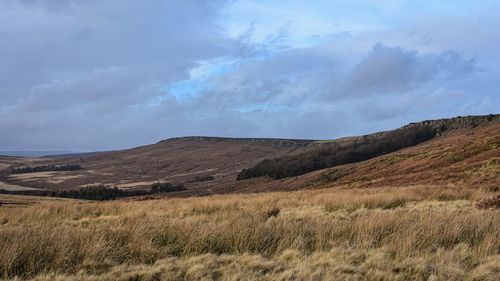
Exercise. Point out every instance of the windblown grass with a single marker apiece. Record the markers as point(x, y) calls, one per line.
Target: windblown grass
point(407, 233)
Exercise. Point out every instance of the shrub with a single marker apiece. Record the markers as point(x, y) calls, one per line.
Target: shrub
point(271, 212)
point(159, 187)
point(203, 178)
point(489, 203)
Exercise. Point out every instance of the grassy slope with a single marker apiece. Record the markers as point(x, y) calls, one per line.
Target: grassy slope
point(398, 233)
point(467, 157)
point(357, 149)
point(409, 215)
point(464, 158)
point(174, 160)
point(184, 159)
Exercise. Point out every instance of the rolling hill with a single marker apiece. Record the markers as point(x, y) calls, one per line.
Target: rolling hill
point(461, 150)
point(428, 211)
point(190, 160)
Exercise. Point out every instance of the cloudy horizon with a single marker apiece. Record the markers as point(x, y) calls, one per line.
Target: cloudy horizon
point(98, 75)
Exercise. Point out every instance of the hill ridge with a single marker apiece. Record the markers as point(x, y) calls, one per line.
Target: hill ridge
point(458, 122)
point(454, 122)
point(361, 148)
point(215, 138)
point(190, 159)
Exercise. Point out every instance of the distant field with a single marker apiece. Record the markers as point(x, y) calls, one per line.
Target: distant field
point(397, 233)
point(8, 198)
point(13, 187)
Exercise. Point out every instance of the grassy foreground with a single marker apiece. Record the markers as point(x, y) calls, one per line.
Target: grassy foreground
point(406, 233)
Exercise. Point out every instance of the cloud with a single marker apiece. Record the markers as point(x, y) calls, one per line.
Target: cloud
point(160, 40)
point(64, 59)
point(302, 76)
point(397, 70)
point(88, 75)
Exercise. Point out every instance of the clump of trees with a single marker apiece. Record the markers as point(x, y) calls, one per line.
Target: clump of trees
point(203, 178)
point(101, 192)
point(159, 187)
point(333, 154)
point(45, 168)
point(96, 192)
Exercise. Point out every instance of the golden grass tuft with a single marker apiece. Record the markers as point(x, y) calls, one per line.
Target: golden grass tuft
point(405, 233)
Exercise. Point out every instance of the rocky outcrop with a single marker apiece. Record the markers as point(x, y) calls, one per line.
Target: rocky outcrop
point(268, 141)
point(445, 125)
point(326, 154)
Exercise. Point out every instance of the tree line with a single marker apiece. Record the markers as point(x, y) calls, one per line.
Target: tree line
point(334, 154)
point(45, 168)
point(101, 192)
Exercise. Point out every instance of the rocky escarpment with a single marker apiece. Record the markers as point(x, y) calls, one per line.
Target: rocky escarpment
point(445, 125)
point(326, 154)
point(273, 142)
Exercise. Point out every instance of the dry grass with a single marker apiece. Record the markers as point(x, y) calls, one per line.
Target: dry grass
point(406, 233)
point(11, 187)
point(49, 177)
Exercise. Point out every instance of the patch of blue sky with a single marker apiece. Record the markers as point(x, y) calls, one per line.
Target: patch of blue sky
point(202, 77)
point(308, 20)
point(185, 90)
point(200, 80)
point(303, 19)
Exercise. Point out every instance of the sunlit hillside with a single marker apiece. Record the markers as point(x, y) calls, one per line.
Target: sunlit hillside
point(399, 233)
point(426, 212)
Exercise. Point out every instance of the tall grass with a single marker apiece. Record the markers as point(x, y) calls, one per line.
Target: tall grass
point(415, 232)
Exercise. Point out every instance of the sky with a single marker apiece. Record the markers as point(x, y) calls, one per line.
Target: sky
point(86, 75)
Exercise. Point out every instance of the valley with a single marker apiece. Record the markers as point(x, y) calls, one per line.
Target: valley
point(429, 211)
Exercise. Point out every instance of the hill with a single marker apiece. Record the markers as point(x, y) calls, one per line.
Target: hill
point(335, 153)
point(32, 153)
point(467, 157)
point(194, 161)
point(424, 212)
point(458, 150)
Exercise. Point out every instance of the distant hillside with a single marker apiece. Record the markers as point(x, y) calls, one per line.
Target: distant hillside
point(356, 149)
point(71, 154)
point(32, 153)
point(188, 160)
point(211, 165)
point(465, 157)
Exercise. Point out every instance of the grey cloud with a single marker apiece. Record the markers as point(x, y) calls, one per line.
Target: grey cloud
point(309, 88)
point(296, 77)
point(96, 65)
point(396, 70)
point(162, 40)
point(93, 74)
point(286, 79)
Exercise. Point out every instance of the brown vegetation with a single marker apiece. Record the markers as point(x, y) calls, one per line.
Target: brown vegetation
point(397, 233)
point(489, 203)
point(428, 212)
point(463, 158)
point(465, 153)
point(333, 154)
point(199, 162)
